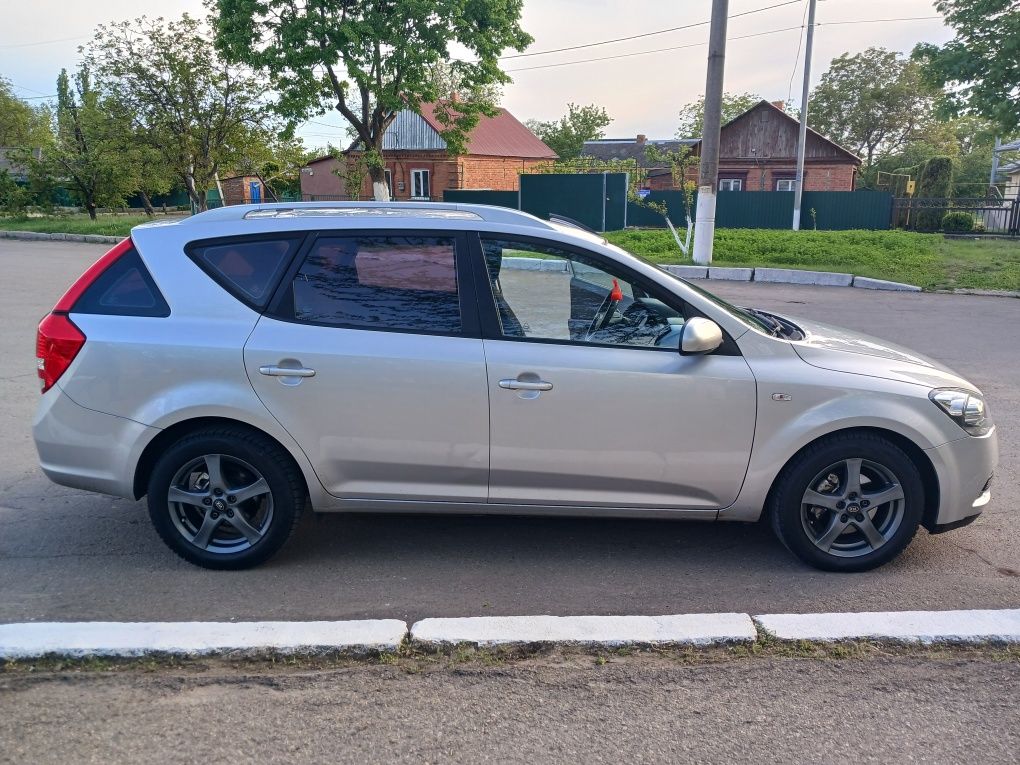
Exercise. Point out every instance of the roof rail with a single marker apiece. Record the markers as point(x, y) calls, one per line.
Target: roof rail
point(487, 213)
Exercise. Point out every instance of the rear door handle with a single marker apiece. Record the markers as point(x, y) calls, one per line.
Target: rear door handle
point(525, 385)
point(274, 371)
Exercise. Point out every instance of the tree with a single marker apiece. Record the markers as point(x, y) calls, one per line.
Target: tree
point(692, 116)
point(566, 136)
point(22, 125)
point(188, 104)
point(981, 65)
point(88, 152)
point(368, 59)
point(871, 102)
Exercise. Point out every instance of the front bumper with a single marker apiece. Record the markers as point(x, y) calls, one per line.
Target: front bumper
point(86, 449)
point(964, 468)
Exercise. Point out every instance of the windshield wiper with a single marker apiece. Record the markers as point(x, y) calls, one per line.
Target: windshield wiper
point(774, 326)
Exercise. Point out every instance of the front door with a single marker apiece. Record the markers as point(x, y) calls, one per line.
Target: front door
point(369, 360)
point(591, 402)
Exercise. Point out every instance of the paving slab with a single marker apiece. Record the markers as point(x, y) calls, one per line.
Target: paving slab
point(728, 274)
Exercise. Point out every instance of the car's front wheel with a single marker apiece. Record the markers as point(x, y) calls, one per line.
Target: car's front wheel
point(851, 502)
point(225, 497)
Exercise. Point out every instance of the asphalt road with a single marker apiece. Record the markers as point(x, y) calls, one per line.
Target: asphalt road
point(637, 710)
point(69, 555)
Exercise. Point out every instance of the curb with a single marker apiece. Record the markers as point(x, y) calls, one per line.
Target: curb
point(686, 629)
point(34, 639)
point(789, 276)
point(901, 626)
point(30, 640)
point(38, 235)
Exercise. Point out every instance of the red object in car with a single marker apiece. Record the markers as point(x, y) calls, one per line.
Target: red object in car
point(617, 294)
point(58, 340)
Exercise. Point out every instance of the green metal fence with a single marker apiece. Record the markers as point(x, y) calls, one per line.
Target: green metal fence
point(600, 202)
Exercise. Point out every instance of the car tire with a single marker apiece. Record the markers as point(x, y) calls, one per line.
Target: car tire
point(836, 522)
point(225, 497)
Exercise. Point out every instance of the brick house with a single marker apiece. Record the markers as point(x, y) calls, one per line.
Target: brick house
point(418, 165)
point(757, 152)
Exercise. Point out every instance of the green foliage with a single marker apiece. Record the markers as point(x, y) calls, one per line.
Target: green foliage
point(566, 136)
point(13, 197)
point(89, 153)
point(368, 60)
point(22, 125)
point(871, 102)
point(692, 116)
point(935, 181)
point(957, 222)
point(104, 224)
point(979, 66)
point(196, 111)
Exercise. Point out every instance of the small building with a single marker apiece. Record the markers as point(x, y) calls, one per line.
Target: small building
point(1012, 173)
point(11, 162)
point(243, 190)
point(757, 152)
point(419, 166)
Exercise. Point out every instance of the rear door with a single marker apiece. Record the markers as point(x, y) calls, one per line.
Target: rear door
point(370, 356)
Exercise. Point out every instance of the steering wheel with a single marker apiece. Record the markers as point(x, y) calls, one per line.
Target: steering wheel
point(605, 312)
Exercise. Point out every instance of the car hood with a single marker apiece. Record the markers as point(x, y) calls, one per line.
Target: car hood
point(843, 350)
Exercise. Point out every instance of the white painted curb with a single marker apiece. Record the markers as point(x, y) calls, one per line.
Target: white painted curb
point(32, 639)
point(691, 629)
point(909, 626)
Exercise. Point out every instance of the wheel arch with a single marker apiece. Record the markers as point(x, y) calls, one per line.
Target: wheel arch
point(929, 478)
point(178, 430)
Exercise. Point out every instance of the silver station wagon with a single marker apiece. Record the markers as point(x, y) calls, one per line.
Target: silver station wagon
point(240, 364)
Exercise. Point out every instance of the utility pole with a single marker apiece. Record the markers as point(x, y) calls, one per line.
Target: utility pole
point(798, 186)
point(708, 171)
point(995, 166)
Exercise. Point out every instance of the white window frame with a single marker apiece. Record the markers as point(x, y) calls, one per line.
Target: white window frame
point(732, 184)
point(416, 173)
point(790, 182)
point(389, 182)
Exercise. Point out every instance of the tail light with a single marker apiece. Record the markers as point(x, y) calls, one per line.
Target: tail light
point(58, 340)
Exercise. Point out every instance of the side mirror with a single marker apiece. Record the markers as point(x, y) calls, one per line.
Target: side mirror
point(700, 336)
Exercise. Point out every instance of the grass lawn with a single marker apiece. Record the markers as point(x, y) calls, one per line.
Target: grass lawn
point(106, 224)
point(927, 260)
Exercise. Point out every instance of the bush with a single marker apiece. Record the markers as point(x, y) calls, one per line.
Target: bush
point(957, 222)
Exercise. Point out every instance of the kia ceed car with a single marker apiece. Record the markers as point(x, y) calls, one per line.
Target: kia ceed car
point(238, 365)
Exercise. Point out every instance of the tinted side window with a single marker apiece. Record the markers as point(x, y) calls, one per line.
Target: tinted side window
point(124, 289)
point(379, 282)
point(247, 268)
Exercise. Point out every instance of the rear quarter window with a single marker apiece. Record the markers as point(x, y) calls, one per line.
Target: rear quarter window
point(247, 268)
point(124, 289)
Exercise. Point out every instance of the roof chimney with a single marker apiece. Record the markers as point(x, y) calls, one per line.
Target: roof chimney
point(641, 139)
point(780, 105)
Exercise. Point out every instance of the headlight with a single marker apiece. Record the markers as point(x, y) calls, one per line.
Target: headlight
point(966, 408)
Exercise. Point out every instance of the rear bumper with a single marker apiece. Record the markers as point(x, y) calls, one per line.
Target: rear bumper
point(85, 449)
point(964, 468)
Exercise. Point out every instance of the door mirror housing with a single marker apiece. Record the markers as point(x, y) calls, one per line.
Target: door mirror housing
point(699, 336)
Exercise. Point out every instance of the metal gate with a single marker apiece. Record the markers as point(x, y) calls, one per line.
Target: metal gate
point(597, 200)
point(991, 216)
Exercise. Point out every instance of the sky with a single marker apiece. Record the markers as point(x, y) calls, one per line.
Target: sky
point(643, 93)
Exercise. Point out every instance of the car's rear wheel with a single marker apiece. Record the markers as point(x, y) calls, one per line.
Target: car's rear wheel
point(225, 498)
point(851, 502)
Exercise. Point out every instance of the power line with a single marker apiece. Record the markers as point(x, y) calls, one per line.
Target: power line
point(43, 42)
point(800, 43)
point(646, 52)
point(697, 44)
point(646, 34)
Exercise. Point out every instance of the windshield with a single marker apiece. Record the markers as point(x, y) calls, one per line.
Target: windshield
point(742, 314)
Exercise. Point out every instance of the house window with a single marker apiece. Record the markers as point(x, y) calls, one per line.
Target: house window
point(731, 184)
point(420, 186)
point(785, 184)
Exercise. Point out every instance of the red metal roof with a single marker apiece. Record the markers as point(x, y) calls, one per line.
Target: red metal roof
point(499, 136)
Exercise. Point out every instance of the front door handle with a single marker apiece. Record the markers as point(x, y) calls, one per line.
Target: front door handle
point(525, 385)
point(274, 371)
